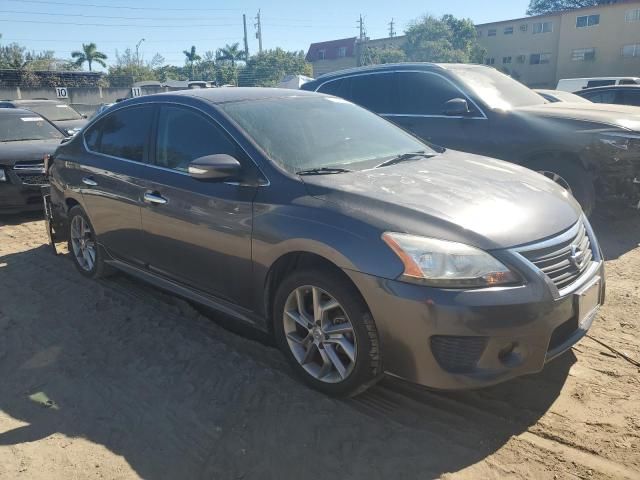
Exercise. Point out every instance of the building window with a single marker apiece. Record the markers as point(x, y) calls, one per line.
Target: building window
point(342, 52)
point(587, 21)
point(508, 30)
point(524, 27)
point(631, 50)
point(632, 15)
point(321, 54)
point(539, 58)
point(542, 27)
point(491, 32)
point(521, 58)
point(506, 59)
point(490, 61)
point(583, 54)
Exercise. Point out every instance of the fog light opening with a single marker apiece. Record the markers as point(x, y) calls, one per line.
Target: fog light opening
point(510, 355)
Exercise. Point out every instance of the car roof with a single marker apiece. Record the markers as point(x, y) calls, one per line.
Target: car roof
point(234, 94)
point(17, 112)
point(400, 66)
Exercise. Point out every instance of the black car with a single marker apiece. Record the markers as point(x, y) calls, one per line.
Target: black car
point(361, 249)
point(66, 118)
point(618, 94)
point(25, 139)
point(591, 150)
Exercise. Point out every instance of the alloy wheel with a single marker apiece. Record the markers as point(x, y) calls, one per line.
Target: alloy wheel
point(319, 334)
point(83, 243)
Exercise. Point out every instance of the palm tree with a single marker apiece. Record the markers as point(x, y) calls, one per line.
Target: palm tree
point(231, 53)
point(89, 54)
point(192, 57)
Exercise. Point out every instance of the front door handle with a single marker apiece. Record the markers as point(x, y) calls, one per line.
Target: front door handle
point(90, 182)
point(155, 198)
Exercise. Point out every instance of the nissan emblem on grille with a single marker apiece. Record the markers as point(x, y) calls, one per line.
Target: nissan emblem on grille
point(577, 254)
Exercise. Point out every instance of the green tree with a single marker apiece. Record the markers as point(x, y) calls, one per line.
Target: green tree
point(192, 58)
point(445, 39)
point(375, 56)
point(89, 54)
point(128, 69)
point(540, 7)
point(231, 53)
point(268, 68)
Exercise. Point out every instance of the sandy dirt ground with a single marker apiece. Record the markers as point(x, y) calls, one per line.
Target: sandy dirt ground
point(117, 380)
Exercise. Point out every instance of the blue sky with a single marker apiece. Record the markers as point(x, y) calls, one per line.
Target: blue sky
point(168, 29)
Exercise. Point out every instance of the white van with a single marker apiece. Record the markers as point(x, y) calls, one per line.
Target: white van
point(575, 84)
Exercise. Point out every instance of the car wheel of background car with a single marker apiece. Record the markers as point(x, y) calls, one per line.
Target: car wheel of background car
point(571, 176)
point(83, 246)
point(326, 331)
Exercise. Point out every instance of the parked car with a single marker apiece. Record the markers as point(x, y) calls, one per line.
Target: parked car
point(575, 84)
point(25, 139)
point(477, 109)
point(554, 96)
point(359, 247)
point(621, 95)
point(62, 115)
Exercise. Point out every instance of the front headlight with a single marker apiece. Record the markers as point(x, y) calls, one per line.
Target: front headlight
point(447, 264)
point(3, 175)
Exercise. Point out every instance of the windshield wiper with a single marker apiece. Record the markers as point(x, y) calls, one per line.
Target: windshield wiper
point(322, 171)
point(405, 157)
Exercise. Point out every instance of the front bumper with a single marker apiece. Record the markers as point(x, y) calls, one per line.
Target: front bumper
point(19, 198)
point(457, 339)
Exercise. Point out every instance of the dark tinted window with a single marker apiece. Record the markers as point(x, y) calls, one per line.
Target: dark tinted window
point(424, 94)
point(606, 96)
point(184, 135)
point(122, 134)
point(339, 88)
point(373, 92)
point(600, 83)
point(631, 98)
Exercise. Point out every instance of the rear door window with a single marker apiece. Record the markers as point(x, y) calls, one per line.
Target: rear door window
point(184, 135)
point(631, 98)
point(374, 92)
point(123, 134)
point(425, 94)
point(606, 96)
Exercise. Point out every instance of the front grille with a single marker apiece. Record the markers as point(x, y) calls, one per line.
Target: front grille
point(564, 258)
point(32, 179)
point(457, 354)
point(35, 166)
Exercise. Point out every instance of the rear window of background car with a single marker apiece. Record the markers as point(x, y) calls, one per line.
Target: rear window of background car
point(122, 134)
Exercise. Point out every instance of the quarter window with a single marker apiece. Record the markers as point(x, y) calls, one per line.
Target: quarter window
point(542, 27)
point(583, 54)
point(122, 134)
point(587, 21)
point(184, 135)
point(424, 94)
point(631, 50)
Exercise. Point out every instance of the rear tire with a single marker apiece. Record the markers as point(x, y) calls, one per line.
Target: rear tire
point(325, 330)
point(568, 173)
point(85, 252)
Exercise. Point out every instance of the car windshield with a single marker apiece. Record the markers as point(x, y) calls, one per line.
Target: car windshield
point(496, 89)
point(54, 111)
point(14, 128)
point(302, 133)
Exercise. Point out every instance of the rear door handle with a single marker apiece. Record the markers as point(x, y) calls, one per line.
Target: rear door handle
point(155, 198)
point(90, 182)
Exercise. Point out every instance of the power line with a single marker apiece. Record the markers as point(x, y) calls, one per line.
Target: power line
point(120, 24)
point(124, 7)
point(111, 17)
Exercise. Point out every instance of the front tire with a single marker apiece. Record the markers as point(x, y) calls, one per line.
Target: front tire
point(83, 245)
point(326, 332)
point(571, 176)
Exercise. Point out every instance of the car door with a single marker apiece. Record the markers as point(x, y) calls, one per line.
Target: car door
point(197, 232)
point(419, 106)
point(117, 147)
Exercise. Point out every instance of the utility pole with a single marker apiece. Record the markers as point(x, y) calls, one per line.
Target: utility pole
point(246, 44)
point(258, 26)
point(361, 26)
point(360, 42)
point(138, 53)
point(392, 32)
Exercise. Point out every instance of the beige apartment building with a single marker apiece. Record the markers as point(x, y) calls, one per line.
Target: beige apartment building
point(588, 42)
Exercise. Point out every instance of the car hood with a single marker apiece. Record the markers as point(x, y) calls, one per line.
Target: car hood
point(622, 116)
point(71, 124)
point(28, 150)
point(456, 196)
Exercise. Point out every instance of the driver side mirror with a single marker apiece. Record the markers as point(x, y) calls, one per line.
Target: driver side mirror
point(215, 167)
point(456, 107)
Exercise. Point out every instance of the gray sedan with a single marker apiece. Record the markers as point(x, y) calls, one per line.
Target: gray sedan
point(363, 250)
